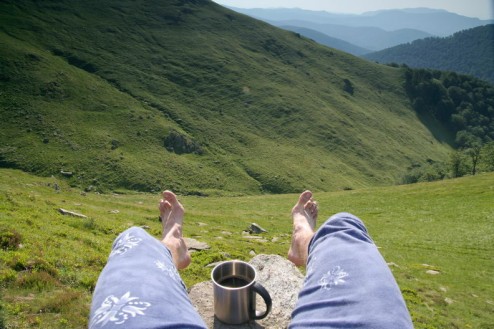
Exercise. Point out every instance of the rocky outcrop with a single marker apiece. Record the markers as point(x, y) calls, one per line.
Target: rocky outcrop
point(180, 144)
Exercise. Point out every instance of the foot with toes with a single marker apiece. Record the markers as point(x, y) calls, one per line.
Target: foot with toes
point(304, 215)
point(172, 215)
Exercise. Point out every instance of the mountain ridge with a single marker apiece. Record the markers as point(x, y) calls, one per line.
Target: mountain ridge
point(419, 22)
point(432, 21)
point(469, 52)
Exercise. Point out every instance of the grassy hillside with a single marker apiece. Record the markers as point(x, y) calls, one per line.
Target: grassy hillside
point(468, 52)
point(50, 262)
point(191, 96)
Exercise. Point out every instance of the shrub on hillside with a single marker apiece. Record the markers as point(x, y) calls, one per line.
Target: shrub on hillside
point(461, 162)
point(10, 239)
point(430, 172)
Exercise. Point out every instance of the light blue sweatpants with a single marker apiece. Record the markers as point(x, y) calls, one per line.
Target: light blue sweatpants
point(348, 284)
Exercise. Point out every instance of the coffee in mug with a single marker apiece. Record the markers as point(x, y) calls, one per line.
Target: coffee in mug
point(235, 290)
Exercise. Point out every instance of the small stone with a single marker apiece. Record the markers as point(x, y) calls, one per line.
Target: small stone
point(202, 224)
point(256, 229)
point(275, 239)
point(115, 211)
point(252, 253)
point(193, 244)
point(71, 213)
point(448, 300)
point(432, 272)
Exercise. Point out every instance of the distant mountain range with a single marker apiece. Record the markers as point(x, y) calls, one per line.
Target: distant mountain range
point(372, 38)
point(470, 52)
point(326, 40)
point(373, 30)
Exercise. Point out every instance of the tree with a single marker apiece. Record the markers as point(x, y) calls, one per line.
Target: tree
point(457, 164)
point(474, 153)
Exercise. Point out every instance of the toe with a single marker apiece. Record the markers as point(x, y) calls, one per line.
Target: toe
point(302, 201)
point(172, 199)
point(305, 197)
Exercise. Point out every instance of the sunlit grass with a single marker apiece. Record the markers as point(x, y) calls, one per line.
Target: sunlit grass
point(444, 226)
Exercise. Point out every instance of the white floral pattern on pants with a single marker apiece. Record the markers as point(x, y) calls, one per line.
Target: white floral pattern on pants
point(332, 278)
point(124, 244)
point(171, 270)
point(118, 310)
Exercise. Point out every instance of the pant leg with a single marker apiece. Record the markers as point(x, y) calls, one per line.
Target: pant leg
point(348, 283)
point(141, 288)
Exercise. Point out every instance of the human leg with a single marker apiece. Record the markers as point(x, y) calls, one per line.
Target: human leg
point(348, 284)
point(140, 286)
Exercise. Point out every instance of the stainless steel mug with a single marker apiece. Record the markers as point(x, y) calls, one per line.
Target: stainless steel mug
point(235, 290)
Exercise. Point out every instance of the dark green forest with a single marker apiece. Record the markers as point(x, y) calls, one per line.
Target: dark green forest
point(465, 106)
point(469, 52)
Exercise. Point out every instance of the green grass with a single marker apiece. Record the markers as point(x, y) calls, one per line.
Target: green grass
point(267, 107)
point(445, 226)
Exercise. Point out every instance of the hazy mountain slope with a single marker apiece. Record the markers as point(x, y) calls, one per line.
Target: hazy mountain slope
point(431, 21)
point(326, 40)
point(368, 37)
point(191, 96)
point(470, 52)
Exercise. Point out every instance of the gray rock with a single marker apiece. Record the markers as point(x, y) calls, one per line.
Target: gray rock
point(277, 274)
point(193, 244)
point(71, 213)
point(256, 229)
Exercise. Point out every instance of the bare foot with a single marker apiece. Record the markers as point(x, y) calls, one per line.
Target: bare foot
point(172, 216)
point(304, 215)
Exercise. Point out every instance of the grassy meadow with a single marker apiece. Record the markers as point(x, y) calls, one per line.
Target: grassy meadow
point(50, 262)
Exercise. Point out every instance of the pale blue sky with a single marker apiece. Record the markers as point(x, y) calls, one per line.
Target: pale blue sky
point(483, 9)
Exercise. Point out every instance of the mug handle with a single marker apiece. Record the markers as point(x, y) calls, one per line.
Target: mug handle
point(267, 299)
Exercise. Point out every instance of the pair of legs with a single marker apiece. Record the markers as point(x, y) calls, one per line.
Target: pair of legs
point(348, 283)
